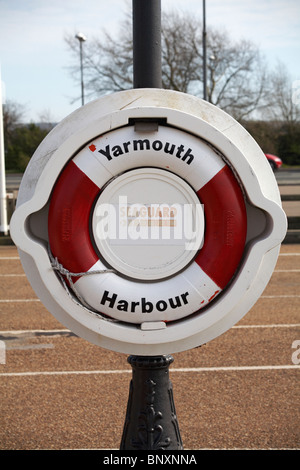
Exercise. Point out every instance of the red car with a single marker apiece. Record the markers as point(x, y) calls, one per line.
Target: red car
point(274, 161)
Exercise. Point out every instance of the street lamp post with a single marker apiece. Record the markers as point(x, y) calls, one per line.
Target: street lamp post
point(81, 38)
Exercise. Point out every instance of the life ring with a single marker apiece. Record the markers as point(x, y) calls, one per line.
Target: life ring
point(171, 152)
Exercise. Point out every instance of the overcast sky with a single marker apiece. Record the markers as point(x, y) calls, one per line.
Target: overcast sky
point(34, 56)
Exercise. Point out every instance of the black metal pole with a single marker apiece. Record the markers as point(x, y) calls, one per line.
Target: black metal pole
point(151, 422)
point(204, 52)
point(146, 19)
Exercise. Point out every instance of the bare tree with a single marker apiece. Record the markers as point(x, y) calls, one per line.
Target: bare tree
point(181, 42)
point(237, 77)
point(13, 114)
point(237, 74)
point(282, 106)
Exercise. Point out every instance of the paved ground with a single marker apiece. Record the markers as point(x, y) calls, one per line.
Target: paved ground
point(60, 392)
point(291, 208)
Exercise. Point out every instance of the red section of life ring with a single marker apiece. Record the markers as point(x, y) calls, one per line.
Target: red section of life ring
point(226, 227)
point(73, 198)
point(68, 223)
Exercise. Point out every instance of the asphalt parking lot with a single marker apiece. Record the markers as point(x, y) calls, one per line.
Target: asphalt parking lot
point(240, 391)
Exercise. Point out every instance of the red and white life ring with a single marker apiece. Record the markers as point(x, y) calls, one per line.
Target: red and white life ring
point(171, 151)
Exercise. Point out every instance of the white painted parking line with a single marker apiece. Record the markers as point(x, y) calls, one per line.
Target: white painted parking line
point(35, 332)
point(289, 254)
point(234, 368)
point(127, 371)
point(66, 331)
point(277, 325)
point(279, 296)
point(23, 347)
point(287, 271)
point(12, 275)
point(19, 300)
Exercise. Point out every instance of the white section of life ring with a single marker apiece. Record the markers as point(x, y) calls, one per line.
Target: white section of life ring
point(133, 302)
point(118, 157)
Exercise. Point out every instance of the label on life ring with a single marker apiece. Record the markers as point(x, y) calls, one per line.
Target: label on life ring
point(162, 209)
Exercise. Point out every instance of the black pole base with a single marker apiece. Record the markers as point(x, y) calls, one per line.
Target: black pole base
point(151, 422)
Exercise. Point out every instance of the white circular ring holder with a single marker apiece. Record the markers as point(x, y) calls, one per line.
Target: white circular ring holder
point(266, 219)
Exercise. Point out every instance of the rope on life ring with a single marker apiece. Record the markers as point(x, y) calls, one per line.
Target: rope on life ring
point(109, 293)
point(66, 278)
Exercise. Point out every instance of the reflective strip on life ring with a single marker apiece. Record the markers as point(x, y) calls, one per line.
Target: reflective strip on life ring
point(71, 204)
